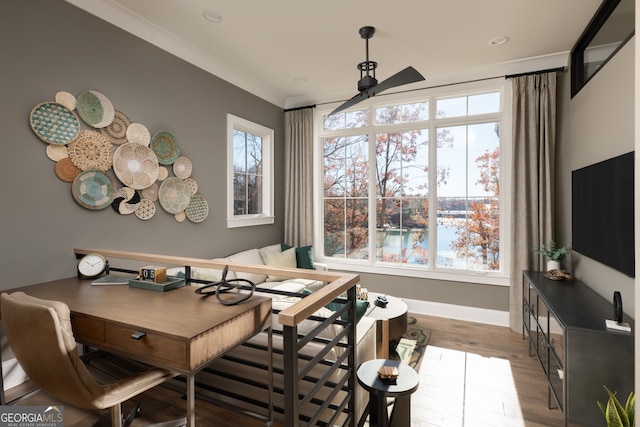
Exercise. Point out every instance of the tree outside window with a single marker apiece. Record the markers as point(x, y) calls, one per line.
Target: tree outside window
point(376, 199)
point(250, 171)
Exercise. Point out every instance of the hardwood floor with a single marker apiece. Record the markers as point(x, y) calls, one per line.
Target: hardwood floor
point(479, 375)
point(471, 375)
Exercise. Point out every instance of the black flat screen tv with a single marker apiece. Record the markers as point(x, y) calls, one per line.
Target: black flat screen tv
point(602, 213)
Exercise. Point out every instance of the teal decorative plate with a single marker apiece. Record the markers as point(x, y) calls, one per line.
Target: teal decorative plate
point(166, 147)
point(95, 109)
point(198, 209)
point(93, 189)
point(54, 124)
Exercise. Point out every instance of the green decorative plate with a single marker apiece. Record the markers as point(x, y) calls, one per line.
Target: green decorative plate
point(166, 147)
point(54, 123)
point(95, 109)
point(198, 209)
point(93, 189)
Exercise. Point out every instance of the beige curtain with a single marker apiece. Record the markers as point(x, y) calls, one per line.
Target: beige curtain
point(298, 177)
point(534, 134)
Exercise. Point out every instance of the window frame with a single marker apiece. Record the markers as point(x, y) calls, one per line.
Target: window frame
point(370, 265)
point(602, 15)
point(267, 215)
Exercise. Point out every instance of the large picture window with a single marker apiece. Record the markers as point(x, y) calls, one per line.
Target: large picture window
point(415, 185)
point(250, 172)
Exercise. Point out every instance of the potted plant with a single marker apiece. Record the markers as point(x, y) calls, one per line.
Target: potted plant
point(554, 254)
point(616, 414)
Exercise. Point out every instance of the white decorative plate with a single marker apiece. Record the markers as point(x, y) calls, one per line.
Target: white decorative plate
point(138, 133)
point(135, 165)
point(66, 99)
point(182, 168)
point(146, 209)
point(174, 195)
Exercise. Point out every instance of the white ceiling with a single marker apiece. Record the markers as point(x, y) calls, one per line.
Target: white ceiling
point(265, 46)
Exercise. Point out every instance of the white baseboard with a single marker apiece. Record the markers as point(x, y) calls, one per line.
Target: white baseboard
point(13, 375)
point(458, 312)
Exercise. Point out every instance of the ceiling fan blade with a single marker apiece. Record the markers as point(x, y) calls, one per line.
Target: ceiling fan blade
point(353, 101)
point(406, 76)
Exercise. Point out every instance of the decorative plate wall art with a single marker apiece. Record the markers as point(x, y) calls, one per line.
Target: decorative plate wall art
point(54, 123)
point(115, 161)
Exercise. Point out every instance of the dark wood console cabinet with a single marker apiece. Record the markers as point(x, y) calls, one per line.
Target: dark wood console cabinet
point(565, 324)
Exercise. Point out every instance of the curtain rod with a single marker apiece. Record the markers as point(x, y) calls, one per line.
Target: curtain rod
point(299, 108)
point(505, 76)
point(530, 73)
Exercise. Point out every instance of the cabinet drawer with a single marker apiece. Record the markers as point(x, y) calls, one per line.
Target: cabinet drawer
point(87, 329)
point(150, 346)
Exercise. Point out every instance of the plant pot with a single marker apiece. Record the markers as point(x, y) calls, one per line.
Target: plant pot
point(553, 265)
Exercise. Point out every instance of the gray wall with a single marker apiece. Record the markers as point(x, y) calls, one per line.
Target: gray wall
point(48, 46)
point(597, 124)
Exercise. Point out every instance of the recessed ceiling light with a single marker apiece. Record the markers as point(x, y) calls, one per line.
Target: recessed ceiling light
point(299, 80)
point(497, 41)
point(211, 16)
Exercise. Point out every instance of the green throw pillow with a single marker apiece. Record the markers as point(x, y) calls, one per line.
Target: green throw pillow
point(304, 256)
point(361, 307)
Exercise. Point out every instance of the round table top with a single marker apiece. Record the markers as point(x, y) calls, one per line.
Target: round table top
point(406, 383)
point(395, 307)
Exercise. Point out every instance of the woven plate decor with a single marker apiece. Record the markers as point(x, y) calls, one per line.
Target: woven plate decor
point(54, 123)
point(135, 165)
point(93, 189)
point(166, 147)
point(146, 209)
point(193, 186)
point(198, 209)
point(180, 216)
point(116, 132)
point(95, 109)
point(66, 170)
point(125, 201)
point(138, 134)
point(151, 192)
point(182, 168)
point(163, 173)
point(91, 150)
point(174, 195)
point(57, 152)
point(66, 99)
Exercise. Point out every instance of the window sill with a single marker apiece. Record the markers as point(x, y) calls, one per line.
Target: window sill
point(479, 277)
point(249, 221)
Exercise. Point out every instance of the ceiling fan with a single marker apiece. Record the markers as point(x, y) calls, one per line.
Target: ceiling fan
point(368, 86)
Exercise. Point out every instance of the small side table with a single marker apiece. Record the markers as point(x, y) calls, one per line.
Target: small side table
point(391, 323)
point(379, 390)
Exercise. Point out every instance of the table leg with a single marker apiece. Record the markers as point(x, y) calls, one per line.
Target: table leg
point(401, 412)
point(383, 349)
point(378, 414)
point(191, 400)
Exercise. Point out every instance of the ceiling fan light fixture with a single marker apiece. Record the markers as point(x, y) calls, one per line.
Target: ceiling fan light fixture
point(368, 85)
